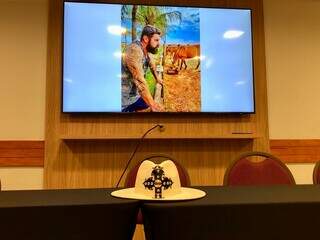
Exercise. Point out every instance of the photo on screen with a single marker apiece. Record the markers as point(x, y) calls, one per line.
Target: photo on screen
point(176, 60)
point(137, 58)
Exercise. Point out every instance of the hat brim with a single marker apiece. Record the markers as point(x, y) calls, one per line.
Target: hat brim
point(185, 194)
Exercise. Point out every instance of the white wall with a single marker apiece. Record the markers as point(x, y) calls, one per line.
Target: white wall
point(302, 172)
point(23, 43)
point(23, 27)
point(292, 33)
point(21, 178)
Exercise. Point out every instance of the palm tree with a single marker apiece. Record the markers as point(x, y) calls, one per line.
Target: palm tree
point(144, 15)
point(125, 11)
point(157, 16)
point(134, 22)
point(129, 13)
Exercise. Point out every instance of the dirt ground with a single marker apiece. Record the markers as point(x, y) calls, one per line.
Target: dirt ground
point(182, 90)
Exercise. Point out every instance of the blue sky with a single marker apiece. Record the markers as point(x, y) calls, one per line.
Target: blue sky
point(189, 29)
point(186, 31)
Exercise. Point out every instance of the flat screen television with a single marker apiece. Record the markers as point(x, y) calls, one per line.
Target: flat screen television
point(143, 58)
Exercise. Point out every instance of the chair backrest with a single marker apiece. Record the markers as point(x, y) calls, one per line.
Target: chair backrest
point(316, 173)
point(269, 171)
point(157, 158)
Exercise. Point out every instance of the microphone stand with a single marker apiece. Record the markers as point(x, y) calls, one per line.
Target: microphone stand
point(136, 149)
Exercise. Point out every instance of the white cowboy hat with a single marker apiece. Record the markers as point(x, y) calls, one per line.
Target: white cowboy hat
point(158, 182)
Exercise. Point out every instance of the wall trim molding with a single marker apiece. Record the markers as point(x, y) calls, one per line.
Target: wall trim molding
point(21, 153)
point(296, 150)
point(26, 153)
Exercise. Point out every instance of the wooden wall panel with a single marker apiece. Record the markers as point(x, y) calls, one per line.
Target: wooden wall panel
point(21, 153)
point(91, 150)
point(100, 163)
point(31, 153)
point(296, 151)
point(261, 116)
point(129, 126)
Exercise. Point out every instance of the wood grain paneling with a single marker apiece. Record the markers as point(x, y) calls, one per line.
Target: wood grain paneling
point(21, 153)
point(31, 153)
point(90, 150)
point(296, 151)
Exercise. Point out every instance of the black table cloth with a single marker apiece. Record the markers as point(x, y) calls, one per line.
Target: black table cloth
point(226, 213)
point(80, 214)
point(232, 213)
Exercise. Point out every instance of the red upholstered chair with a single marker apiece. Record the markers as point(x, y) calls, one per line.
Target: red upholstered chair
point(316, 173)
point(157, 158)
point(269, 171)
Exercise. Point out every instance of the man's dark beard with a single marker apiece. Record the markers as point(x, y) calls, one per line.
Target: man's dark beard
point(152, 49)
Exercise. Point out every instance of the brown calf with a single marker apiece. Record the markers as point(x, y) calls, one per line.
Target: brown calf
point(184, 52)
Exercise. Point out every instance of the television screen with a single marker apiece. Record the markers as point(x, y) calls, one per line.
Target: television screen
point(138, 58)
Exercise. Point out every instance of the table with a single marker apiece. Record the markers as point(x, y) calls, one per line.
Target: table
point(80, 214)
point(235, 213)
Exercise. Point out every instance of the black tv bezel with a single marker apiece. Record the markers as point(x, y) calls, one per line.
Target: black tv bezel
point(151, 113)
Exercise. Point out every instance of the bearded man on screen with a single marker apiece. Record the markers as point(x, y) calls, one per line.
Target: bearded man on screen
point(135, 62)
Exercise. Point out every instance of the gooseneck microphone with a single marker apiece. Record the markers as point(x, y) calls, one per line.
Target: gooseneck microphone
point(161, 127)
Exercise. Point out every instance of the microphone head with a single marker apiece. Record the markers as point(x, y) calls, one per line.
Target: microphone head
point(161, 127)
